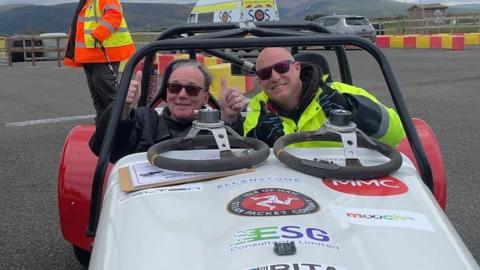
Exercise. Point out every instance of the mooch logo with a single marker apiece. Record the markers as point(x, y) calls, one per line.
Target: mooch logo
point(385, 186)
point(383, 218)
point(272, 202)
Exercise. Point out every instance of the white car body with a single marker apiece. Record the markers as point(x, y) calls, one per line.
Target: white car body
point(191, 227)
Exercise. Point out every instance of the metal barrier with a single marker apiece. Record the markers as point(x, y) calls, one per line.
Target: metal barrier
point(436, 25)
point(33, 47)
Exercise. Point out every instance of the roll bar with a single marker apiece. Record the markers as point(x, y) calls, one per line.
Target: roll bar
point(211, 41)
point(259, 29)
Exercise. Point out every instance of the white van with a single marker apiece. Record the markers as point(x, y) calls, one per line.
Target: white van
point(234, 11)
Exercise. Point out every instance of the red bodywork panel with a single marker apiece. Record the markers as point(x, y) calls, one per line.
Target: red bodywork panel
point(432, 150)
point(75, 176)
point(77, 167)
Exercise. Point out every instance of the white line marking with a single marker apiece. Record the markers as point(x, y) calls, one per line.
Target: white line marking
point(49, 121)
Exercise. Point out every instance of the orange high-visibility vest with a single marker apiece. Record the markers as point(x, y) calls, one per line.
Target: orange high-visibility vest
point(104, 20)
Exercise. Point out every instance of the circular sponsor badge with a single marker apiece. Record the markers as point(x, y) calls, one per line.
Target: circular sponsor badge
point(272, 202)
point(225, 17)
point(259, 15)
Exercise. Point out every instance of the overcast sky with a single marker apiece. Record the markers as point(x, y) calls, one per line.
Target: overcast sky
point(50, 2)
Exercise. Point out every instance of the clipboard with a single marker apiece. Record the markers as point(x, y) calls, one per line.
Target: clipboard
point(144, 175)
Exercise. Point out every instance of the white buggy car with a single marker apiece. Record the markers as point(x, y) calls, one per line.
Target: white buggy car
point(244, 206)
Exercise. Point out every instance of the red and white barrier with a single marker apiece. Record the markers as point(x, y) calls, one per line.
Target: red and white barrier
point(454, 42)
point(410, 41)
point(435, 42)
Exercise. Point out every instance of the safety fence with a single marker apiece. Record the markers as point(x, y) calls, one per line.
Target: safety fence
point(454, 42)
point(435, 25)
point(32, 48)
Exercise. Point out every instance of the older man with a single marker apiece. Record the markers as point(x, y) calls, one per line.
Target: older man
point(140, 128)
point(295, 98)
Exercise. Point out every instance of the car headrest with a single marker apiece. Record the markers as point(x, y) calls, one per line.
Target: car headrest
point(317, 59)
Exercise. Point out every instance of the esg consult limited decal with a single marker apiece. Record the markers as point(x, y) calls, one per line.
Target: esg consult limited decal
point(266, 236)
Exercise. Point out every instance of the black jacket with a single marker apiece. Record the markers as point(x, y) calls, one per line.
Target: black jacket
point(144, 128)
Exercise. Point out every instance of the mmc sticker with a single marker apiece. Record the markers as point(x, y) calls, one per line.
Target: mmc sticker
point(385, 186)
point(383, 218)
point(272, 202)
point(266, 236)
point(296, 266)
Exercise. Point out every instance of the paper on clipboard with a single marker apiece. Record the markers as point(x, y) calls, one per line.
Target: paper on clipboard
point(145, 175)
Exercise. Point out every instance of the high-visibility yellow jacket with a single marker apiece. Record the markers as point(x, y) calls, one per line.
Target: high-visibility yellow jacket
point(102, 19)
point(369, 114)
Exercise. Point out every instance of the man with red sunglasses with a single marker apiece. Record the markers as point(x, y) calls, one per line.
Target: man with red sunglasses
point(140, 128)
point(296, 98)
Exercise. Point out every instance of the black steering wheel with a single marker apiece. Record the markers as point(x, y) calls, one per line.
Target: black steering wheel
point(255, 153)
point(353, 167)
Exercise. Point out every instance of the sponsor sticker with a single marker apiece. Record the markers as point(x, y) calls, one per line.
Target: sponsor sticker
point(226, 16)
point(272, 202)
point(267, 236)
point(262, 180)
point(259, 14)
point(296, 266)
point(383, 218)
point(385, 186)
point(162, 190)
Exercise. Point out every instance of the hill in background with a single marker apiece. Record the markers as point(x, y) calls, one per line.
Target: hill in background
point(368, 8)
point(372, 9)
point(33, 19)
point(9, 6)
point(155, 16)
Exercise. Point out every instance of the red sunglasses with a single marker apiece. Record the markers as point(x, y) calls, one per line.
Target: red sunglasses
point(175, 88)
point(281, 67)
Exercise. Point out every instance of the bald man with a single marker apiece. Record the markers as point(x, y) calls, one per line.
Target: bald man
point(295, 98)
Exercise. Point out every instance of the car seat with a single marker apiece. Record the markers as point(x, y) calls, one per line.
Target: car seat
point(162, 92)
point(317, 59)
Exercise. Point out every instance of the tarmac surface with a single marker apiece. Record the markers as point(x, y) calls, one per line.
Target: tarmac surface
point(439, 86)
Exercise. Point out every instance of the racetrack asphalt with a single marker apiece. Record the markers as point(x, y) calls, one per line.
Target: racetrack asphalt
point(439, 86)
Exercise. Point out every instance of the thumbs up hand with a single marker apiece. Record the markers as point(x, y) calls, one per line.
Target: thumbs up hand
point(231, 102)
point(330, 99)
point(133, 95)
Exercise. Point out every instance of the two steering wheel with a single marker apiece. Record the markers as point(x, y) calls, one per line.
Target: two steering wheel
point(339, 129)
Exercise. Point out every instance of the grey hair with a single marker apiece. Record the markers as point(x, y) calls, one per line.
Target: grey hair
point(207, 76)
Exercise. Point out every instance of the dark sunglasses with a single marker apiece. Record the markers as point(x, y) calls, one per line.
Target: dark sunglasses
point(175, 88)
point(281, 67)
